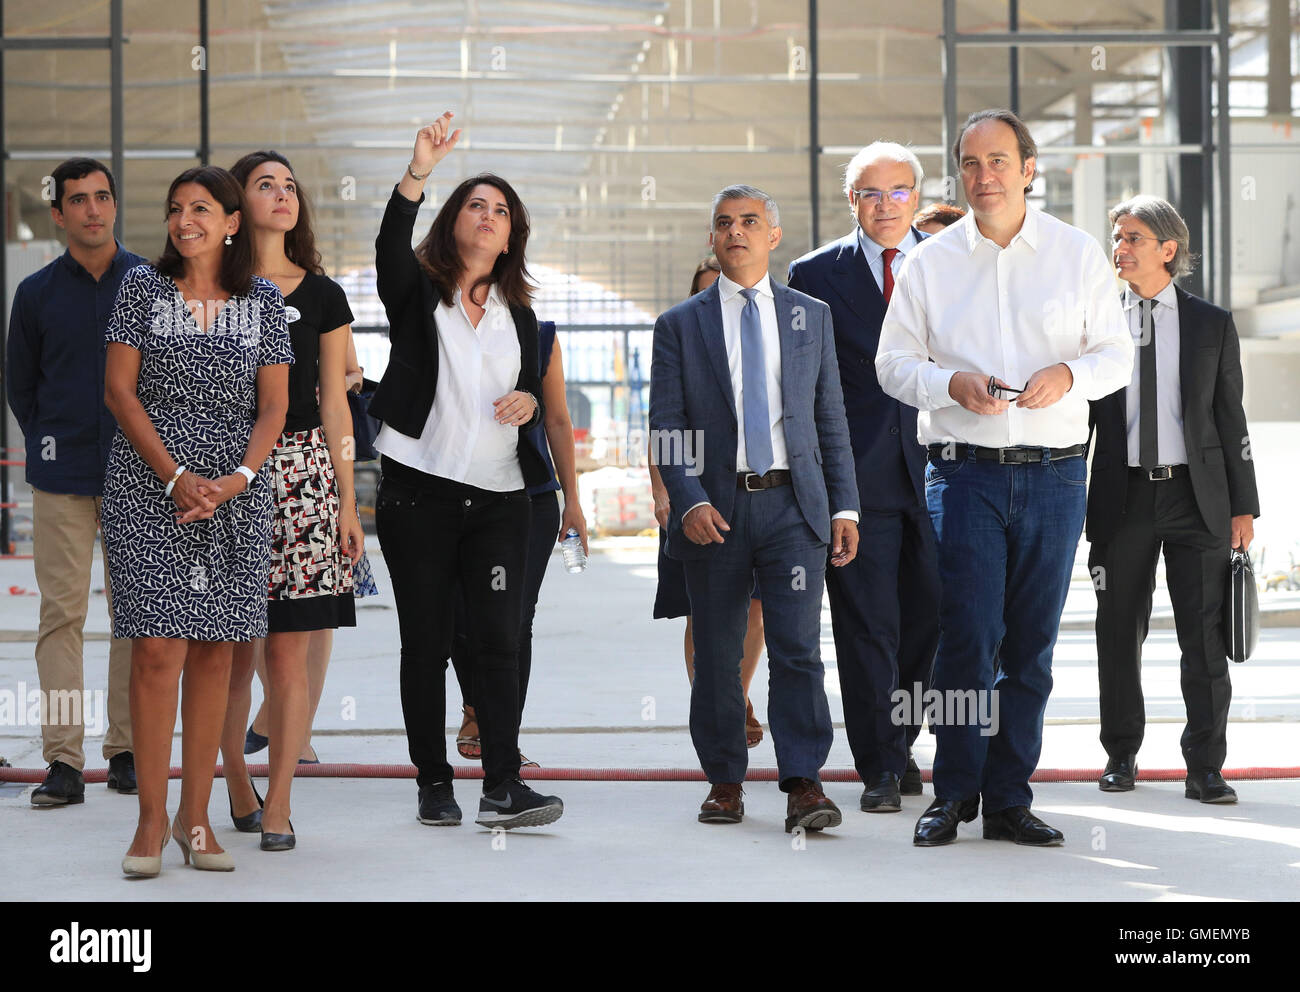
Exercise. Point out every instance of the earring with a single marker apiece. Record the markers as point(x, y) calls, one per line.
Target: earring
point(505, 250)
point(228, 241)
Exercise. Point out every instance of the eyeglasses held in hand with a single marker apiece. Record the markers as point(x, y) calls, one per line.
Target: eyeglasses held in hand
point(874, 196)
point(1003, 392)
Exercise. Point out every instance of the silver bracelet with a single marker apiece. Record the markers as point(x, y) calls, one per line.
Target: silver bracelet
point(415, 175)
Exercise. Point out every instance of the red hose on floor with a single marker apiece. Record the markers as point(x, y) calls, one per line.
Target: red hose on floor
point(95, 775)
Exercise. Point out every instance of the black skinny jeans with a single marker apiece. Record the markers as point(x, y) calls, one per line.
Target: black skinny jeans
point(438, 535)
point(541, 541)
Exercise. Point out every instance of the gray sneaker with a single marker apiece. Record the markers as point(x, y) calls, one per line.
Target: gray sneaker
point(512, 804)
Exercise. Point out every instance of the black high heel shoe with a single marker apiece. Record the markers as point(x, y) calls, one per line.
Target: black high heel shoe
point(279, 842)
point(252, 823)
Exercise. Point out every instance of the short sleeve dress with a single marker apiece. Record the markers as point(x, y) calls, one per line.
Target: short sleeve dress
point(206, 580)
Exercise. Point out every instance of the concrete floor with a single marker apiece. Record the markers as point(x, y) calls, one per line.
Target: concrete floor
point(609, 691)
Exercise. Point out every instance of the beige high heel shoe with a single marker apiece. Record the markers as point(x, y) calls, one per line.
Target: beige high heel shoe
point(202, 860)
point(145, 866)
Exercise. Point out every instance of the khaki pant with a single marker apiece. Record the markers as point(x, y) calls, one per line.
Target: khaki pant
point(63, 537)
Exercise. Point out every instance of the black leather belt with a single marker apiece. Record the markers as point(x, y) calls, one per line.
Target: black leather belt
point(1003, 456)
point(751, 482)
point(1161, 473)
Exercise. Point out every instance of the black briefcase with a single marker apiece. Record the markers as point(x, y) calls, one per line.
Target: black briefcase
point(1240, 608)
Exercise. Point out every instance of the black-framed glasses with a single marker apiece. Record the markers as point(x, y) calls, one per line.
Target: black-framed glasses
point(874, 196)
point(1003, 392)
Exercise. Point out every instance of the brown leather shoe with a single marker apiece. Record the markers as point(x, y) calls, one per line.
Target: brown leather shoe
point(808, 807)
point(724, 804)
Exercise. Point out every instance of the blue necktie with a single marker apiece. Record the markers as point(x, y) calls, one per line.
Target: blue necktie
point(753, 371)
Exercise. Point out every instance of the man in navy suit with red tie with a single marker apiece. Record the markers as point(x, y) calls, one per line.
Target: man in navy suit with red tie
point(885, 604)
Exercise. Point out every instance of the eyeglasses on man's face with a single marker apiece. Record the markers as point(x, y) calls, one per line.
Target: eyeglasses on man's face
point(874, 196)
point(1133, 239)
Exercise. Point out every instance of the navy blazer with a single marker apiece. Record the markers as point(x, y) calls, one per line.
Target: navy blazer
point(1214, 428)
point(890, 462)
point(692, 404)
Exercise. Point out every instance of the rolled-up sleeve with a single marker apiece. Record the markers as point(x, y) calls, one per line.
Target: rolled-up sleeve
point(1106, 363)
point(903, 365)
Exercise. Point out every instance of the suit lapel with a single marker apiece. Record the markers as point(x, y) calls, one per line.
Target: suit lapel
point(709, 310)
point(783, 303)
point(1187, 333)
point(854, 282)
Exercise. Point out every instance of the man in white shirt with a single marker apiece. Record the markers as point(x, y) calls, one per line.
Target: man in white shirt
point(746, 371)
point(1171, 471)
point(1000, 331)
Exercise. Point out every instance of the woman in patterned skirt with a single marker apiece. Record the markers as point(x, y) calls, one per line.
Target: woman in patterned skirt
point(317, 535)
point(197, 377)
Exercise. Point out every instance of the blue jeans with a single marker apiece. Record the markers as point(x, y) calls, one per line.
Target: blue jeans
point(1007, 537)
point(769, 539)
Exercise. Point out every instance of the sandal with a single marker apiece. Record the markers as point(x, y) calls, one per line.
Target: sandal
point(753, 729)
point(525, 763)
point(467, 744)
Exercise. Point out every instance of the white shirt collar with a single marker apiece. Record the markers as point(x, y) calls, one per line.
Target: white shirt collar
point(493, 298)
point(1167, 296)
point(727, 289)
point(1028, 232)
point(872, 250)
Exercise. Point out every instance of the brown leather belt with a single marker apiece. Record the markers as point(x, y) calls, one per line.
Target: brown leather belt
point(751, 482)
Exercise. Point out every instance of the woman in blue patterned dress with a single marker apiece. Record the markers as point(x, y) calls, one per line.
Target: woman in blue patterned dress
point(197, 376)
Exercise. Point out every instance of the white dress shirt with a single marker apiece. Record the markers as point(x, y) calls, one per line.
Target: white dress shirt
point(732, 305)
point(875, 256)
point(963, 304)
point(1169, 393)
point(461, 439)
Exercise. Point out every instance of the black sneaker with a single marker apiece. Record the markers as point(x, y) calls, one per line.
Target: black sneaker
point(63, 786)
point(438, 806)
point(513, 804)
point(121, 773)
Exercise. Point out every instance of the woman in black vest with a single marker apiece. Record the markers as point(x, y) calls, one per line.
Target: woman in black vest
point(460, 392)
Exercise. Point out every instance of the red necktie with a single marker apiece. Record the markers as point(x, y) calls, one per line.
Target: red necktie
point(888, 257)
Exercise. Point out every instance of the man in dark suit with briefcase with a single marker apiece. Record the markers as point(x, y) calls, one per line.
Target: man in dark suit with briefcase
point(1171, 469)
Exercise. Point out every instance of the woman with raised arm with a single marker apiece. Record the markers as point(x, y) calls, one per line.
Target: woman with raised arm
point(317, 535)
point(458, 397)
point(197, 377)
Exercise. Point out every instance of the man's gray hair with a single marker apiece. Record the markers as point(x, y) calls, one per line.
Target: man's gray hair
point(1165, 223)
point(741, 192)
point(890, 151)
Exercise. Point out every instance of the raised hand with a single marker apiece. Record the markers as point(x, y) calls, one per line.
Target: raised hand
point(433, 142)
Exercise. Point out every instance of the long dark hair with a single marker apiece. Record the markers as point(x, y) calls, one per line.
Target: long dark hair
point(440, 259)
point(299, 243)
point(236, 274)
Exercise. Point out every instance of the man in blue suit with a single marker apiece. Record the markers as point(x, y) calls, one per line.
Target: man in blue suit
point(885, 606)
point(747, 420)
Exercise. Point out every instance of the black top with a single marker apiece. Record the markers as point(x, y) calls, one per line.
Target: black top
point(55, 372)
point(320, 306)
point(404, 396)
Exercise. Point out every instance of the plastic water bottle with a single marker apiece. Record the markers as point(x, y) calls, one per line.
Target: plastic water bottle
point(575, 559)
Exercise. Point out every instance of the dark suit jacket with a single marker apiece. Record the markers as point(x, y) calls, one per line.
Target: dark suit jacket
point(690, 391)
point(890, 462)
point(1214, 428)
point(404, 396)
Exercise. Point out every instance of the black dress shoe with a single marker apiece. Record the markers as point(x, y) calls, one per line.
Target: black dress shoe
point(278, 842)
point(438, 806)
point(1209, 787)
point(252, 823)
point(1120, 774)
point(63, 786)
point(938, 824)
point(910, 783)
point(881, 794)
point(121, 773)
point(1018, 824)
